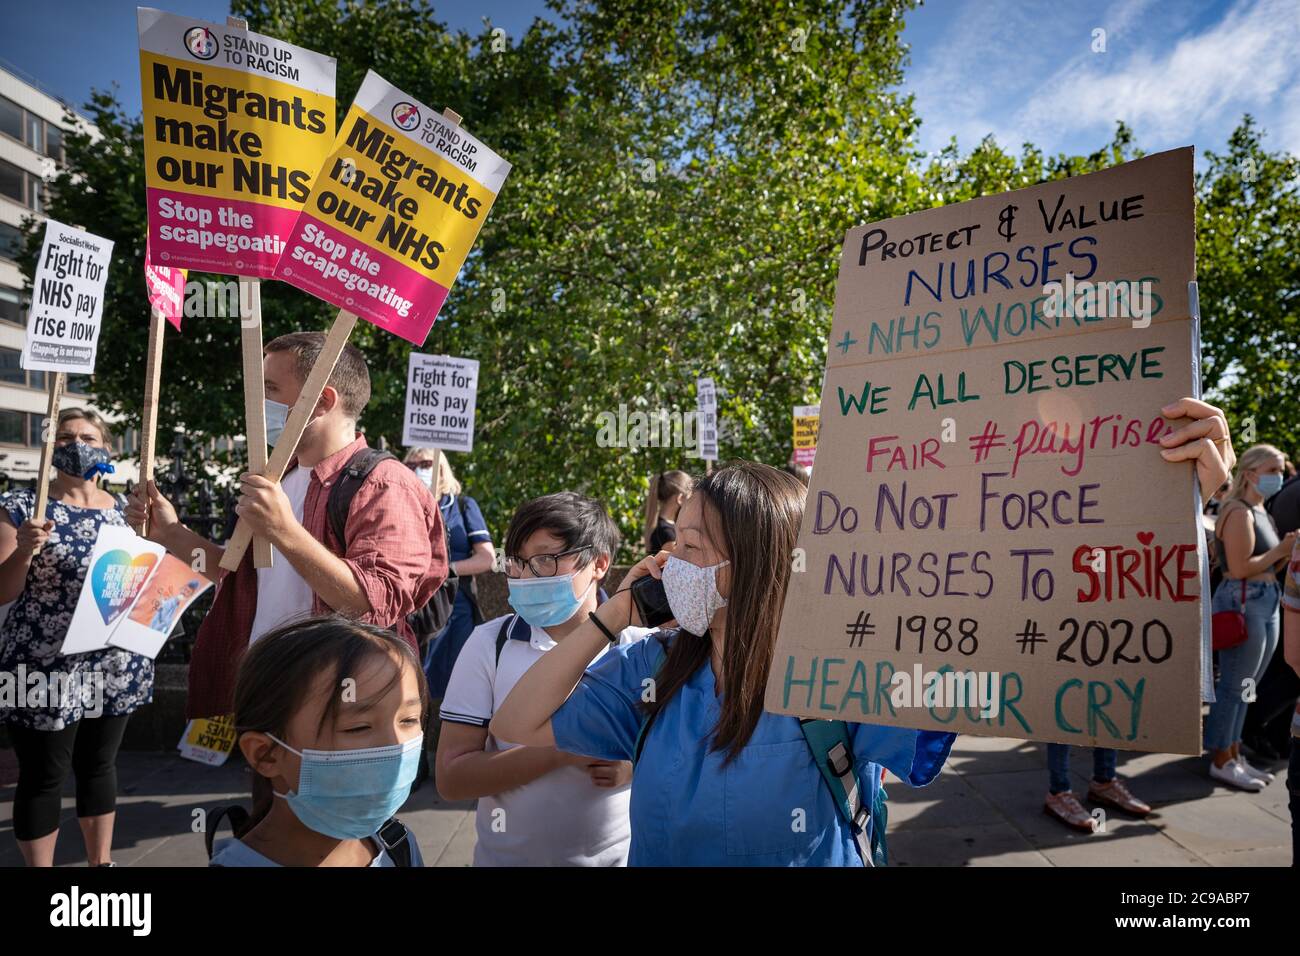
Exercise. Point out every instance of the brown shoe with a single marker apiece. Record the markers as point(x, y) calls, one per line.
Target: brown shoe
point(1066, 808)
point(1115, 794)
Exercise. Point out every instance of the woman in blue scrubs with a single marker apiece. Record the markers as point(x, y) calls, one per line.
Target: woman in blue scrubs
point(719, 780)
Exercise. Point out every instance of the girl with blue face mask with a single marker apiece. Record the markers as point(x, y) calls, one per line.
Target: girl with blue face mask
point(330, 712)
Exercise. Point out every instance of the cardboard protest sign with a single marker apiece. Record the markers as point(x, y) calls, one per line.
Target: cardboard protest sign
point(235, 127)
point(67, 301)
point(806, 418)
point(165, 288)
point(208, 740)
point(119, 567)
point(706, 414)
point(440, 394)
point(393, 212)
point(157, 610)
point(990, 499)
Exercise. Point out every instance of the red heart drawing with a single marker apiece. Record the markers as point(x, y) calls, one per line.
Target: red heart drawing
point(1146, 537)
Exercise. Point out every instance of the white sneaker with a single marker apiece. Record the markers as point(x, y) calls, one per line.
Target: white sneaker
point(1262, 775)
point(1233, 775)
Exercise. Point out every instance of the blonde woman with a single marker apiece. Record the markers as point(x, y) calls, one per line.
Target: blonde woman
point(1250, 554)
point(663, 502)
point(471, 552)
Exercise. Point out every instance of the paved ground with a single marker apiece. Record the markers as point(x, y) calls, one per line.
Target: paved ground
point(984, 810)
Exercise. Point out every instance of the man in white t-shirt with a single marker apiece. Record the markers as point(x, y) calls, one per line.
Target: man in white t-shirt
point(537, 806)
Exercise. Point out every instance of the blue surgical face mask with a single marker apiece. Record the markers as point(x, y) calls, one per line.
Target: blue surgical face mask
point(1268, 485)
point(277, 414)
point(546, 602)
point(81, 460)
point(350, 794)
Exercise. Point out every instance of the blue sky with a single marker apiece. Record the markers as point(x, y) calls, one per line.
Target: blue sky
point(1177, 71)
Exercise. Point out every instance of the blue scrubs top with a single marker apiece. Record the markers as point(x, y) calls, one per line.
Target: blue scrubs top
point(769, 807)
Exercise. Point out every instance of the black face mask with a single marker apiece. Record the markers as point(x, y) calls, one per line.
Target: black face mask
point(81, 460)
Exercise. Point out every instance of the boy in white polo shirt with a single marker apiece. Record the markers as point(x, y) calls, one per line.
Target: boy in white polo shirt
point(537, 806)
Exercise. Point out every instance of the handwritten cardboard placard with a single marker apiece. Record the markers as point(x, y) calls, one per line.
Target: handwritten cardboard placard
point(989, 498)
point(440, 395)
point(806, 418)
point(67, 301)
point(235, 127)
point(393, 212)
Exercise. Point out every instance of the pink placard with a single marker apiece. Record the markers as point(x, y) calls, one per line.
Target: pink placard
point(166, 290)
point(342, 270)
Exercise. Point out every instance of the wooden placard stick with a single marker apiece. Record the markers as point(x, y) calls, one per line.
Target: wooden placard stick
point(299, 416)
point(149, 424)
point(250, 341)
point(54, 397)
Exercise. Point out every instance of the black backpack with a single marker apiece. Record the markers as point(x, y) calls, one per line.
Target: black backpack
point(392, 836)
point(426, 621)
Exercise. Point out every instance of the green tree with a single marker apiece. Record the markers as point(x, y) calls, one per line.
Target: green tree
point(683, 175)
point(1248, 271)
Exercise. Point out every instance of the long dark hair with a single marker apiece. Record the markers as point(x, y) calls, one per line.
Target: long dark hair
point(752, 511)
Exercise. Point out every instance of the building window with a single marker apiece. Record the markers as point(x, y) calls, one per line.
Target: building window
point(77, 385)
point(54, 142)
point(11, 119)
point(34, 436)
point(36, 133)
point(36, 379)
point(10, 371)
point(11, 241)
point(11, 305)
point(13, 182)
point(13, 427)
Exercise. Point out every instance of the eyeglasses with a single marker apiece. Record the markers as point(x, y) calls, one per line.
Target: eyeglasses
point(542, 565)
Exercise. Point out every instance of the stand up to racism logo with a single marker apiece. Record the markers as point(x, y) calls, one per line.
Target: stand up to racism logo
point(236, 125)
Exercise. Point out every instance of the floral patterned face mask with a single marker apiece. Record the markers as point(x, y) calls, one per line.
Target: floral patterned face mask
point(693, 593)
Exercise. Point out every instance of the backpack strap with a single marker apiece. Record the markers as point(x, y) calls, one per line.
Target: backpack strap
point(346, 486)
point(503, 635)
point(237, 816)
point(394, 837)
point(832, 751)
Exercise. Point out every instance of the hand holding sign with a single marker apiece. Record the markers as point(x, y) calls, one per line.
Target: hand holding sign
point(390, 219)
point(989, 519)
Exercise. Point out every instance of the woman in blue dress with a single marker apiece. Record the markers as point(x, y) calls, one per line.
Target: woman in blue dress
point(68, 713)
point(719, 780)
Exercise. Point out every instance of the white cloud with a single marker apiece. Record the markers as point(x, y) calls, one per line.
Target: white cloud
point(1026, 72)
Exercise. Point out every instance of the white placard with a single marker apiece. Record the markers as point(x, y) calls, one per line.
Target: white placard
point(170, 589)
point(119, 568)
point(440, 395)
point(67, 301)
point(706, 410)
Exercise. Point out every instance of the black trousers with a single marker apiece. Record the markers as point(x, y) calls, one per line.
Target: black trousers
point(88, 748)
